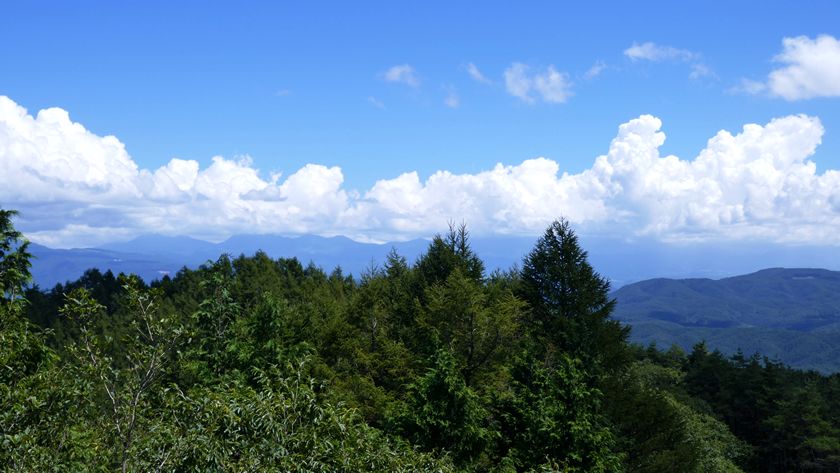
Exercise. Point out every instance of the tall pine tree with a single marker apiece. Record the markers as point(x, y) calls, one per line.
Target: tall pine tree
point(570, 304)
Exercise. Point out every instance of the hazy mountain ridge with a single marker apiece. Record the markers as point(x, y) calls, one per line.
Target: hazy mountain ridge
point(153, 256)
point(53, 266)
point(623, 262)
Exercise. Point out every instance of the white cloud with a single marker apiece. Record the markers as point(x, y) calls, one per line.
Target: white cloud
point(654, 52)
point(75, 189)
point(517, 83)
point(553, 86)
point(748, 86)
point(699, 71)
point(376, 102)
point(73, 180)
point(476, 75)
point(755, 184)
point(596, 69)
point(283, 92)
point(404, 74)
point(812, 68)
point(452, 99)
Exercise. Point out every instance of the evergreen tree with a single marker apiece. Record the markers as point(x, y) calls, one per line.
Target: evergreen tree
point(480, 326)
point(446, 253)
point(570, 305)
point(443, 414)
point(553, 414)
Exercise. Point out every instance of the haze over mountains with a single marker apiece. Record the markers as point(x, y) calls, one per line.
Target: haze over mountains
point(623, 262)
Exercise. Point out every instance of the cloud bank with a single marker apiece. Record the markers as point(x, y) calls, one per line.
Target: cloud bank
point(79, 189)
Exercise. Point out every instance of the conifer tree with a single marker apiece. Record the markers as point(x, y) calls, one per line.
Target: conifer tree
point(570, 304)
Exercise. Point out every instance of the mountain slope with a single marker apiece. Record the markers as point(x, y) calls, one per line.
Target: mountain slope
point(784, 299)
point(792, 314)
point(53, 266)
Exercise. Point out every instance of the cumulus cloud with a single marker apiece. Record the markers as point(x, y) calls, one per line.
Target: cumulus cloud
point(79, 189)
point(476, 74)
point(758, 183)
point(552, 86)
point(404, 74)
point(49, 162)
point(812, 68)
point(655, 52)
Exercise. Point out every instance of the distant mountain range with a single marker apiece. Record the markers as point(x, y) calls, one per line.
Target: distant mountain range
point(623, 262)
point(153, 256)
point(790, 313)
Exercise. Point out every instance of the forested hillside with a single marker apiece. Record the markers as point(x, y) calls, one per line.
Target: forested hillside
point(792, 314)
point(261, 364)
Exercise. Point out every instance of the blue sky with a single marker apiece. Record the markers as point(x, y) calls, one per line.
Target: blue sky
point(345, 96)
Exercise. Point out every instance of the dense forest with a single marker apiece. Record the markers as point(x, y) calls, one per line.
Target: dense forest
point(256, 364)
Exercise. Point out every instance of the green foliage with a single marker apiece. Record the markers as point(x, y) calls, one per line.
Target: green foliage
point(800, 430)
point(37, 408)
point(443, 414)
point(213, 320)
point(264, 364)
point(650, 428)
point(718, 451)
point(570, 304)
point(32, 397)
point(280, 425)
point(553, 414)
point(480, 327)
point(447, 253)
point(658, 431)
point(123, 394)
point(370, 361)
point(14, 263)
